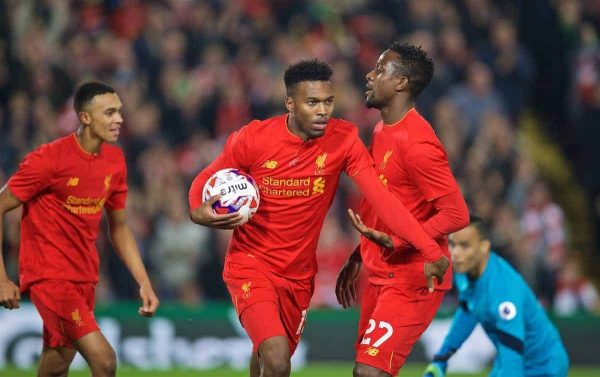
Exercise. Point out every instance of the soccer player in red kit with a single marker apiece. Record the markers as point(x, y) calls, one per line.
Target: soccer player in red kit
point(398, 303)
point(63, 187)
point(296, 160)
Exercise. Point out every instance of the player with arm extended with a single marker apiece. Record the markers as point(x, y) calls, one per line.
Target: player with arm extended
point(399, 303)
point(527, 343)
point(63, 187)
point(296, 160)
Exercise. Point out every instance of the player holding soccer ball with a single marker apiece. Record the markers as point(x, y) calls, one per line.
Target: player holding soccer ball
point(296, 160)
point(64, 187)
point(492, 293)
point(398, 303)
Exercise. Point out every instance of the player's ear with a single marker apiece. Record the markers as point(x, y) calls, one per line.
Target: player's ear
point(401, 83)
point(84, 118)
point(289, 104)
point(485, 245)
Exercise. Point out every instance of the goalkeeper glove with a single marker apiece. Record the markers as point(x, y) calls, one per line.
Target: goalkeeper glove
point(436, 369)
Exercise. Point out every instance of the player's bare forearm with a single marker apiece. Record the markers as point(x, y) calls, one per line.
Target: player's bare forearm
point(345, 287)
point(126, 248)
point(9, 292)
point(8, 202)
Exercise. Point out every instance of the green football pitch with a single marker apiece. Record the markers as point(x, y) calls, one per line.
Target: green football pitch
point(313, 370)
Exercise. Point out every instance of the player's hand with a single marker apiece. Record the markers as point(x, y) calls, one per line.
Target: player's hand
point(345, 287)
point(10, 295)
point(436, 270)
point(204, 215)
point(435, 369)
point(380, 238)
point(149, 302)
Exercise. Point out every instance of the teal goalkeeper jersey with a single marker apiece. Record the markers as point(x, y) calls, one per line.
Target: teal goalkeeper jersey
point(527, 342)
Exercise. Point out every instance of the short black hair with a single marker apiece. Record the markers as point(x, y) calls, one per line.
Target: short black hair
point(306, 70)
point(480, 225)
point(416, 66)
point(87, 91)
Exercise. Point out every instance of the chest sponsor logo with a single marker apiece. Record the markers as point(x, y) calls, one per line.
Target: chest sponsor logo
point(73, 181)
point(270, 164)
point(386, 158)
point(320, 162)
point(84, 206)
point(507, 310)
point(292, 187)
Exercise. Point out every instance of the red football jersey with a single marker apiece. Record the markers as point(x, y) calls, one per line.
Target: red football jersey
point(64, 189)
point(297, 181)
point(412, 163)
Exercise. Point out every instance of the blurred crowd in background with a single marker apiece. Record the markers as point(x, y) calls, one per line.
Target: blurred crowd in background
point(191, 72)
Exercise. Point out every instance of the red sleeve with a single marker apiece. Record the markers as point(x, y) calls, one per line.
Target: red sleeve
point(234, 155)
point(452, 215)
point(428, 167)
point(358, 157)
point(33, 176)
point(393, 213)
point(118, 198)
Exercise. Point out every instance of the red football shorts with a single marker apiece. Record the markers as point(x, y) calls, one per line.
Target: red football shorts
point(268, 305)
point(392, 319)
point(67, 310)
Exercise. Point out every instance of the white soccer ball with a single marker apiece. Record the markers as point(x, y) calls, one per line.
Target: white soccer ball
point(238, 191)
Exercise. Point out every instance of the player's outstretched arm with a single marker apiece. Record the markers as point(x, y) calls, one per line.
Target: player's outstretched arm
point(10, 295)
point(393, 213)
point(462, 326)
point(345, 287)
point(452, 215)
point(126, 248)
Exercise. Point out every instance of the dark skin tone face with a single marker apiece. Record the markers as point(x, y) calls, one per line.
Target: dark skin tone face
point(310, 106)
point(387, 89)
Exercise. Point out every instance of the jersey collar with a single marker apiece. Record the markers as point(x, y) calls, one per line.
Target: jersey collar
point(82, 152)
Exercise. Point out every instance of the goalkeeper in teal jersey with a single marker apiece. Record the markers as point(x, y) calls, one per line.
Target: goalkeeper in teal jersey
point(493, 294)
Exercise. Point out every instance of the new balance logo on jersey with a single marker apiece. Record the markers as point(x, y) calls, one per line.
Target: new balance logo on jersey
point(270, 164)
point(372, 351)
point(73, 181)
point(318, 186)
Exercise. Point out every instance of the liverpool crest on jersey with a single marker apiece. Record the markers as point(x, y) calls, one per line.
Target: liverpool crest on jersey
point(320, 162)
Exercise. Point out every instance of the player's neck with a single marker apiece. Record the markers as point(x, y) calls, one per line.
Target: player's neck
point(480, 269)
point(294, 127)
point(86, 141)
point(393, 113)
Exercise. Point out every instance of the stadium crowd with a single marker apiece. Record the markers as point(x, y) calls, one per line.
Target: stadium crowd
point(191, 72)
